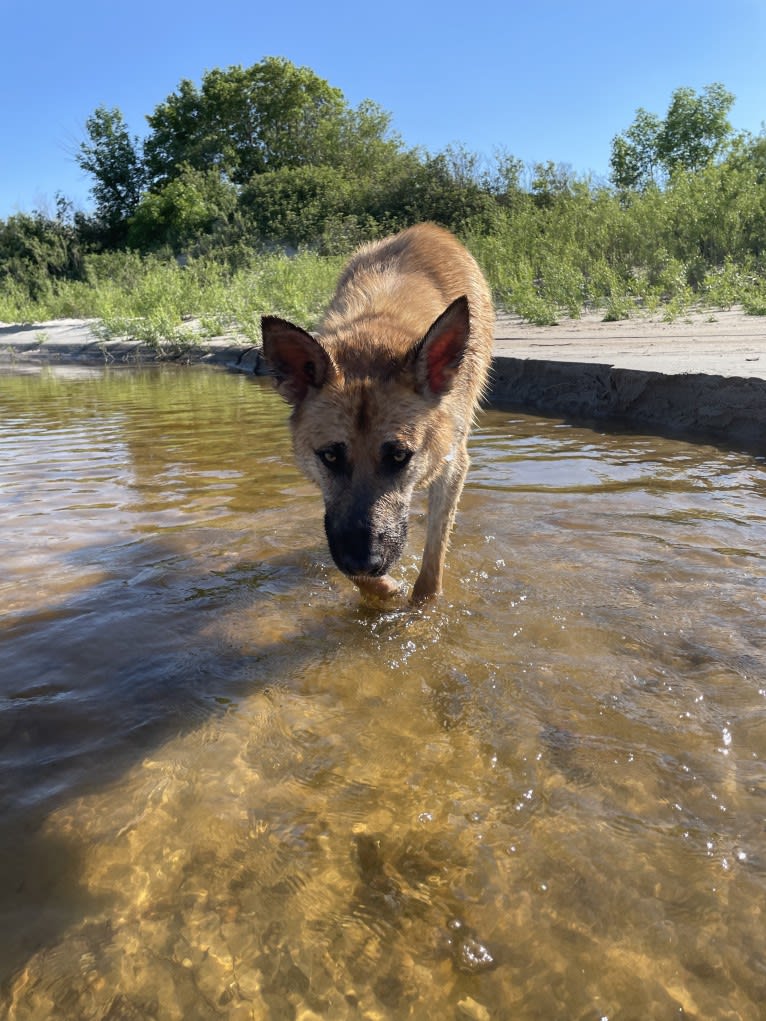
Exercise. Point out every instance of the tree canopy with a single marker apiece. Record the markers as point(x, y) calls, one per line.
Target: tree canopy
point(247, 121)
point(114, 161)
point(276, 152)
point(692, 133)
point(274, 140)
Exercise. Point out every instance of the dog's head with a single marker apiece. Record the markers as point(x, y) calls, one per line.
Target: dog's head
point(369, 427)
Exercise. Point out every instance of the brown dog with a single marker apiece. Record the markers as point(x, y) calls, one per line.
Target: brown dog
point(383, 398)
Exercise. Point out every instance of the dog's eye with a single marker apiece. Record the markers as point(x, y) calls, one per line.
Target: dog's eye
point(395, 456)
point(333, 457)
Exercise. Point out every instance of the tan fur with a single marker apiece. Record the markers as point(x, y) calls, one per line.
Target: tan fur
point(396, 370)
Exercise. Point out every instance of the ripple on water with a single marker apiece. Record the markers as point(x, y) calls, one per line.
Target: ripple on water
point(230, 789)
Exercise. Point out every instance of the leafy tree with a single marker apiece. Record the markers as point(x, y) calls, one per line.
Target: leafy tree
point(635, 157)
point(749, 151)
point(550, 182)
point(504, 181)
point(694, 131)
point(695, 128)
point(292, 205)
point(191, 206)
point(446, 188)
point(246, 121)
point(113, 158)
point(367, 148)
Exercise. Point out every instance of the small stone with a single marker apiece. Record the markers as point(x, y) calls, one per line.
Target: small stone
point(472, 1009)
point(471, 956)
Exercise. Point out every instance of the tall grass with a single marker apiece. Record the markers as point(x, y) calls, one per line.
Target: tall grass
point(158, 301)
point(593, 250)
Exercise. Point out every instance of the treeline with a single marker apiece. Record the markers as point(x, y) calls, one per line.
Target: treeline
point(261, 165)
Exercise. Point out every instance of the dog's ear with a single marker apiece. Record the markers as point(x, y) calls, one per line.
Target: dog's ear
point(296, 359)
point(439, 354)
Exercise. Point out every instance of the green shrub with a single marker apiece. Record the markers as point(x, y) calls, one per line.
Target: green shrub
point(169, 302)
point(754, 301)
point(723, 286)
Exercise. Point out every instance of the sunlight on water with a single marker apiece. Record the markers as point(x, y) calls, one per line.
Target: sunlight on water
point(229, 789)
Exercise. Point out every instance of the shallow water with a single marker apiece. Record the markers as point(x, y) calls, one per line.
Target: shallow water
point(228, 789)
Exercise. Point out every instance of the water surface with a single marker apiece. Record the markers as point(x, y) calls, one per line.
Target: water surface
point(229, 789)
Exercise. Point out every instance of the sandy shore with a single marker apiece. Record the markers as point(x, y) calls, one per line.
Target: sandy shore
point(702, 375)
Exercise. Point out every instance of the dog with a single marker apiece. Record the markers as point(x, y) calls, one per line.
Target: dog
point(384, 396)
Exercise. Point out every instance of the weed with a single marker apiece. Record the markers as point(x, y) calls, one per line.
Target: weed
point(754, 303)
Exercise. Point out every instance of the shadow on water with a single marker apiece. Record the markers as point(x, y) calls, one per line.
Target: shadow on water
point(114, 667)
point(156, 631)
point(59, 741)
point(161, 688)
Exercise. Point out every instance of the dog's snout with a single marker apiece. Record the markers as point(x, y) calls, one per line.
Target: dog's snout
point(353, 547)
point(360, 547)
point(372, 565)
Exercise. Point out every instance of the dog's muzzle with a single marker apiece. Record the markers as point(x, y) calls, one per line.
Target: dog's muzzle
point(359, 548)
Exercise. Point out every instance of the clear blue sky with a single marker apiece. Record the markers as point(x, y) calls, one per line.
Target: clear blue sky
point(541, 79)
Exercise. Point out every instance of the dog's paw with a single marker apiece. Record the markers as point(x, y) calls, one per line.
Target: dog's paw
point(378, 588)
point(424, 591)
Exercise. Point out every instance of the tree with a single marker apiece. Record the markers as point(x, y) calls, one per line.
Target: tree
point(292, 206)
point(445, 188)
point(320, 159)
point(695, 128)
point(112, 157)
point(694, 131)
point(504, 180)
point(246, 121)
point(366, 146)
point(192, 205)
point(635, 158)
point(550, 182)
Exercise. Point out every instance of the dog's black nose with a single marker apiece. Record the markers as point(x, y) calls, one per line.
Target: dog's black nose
point(353, 549)
point(356, 561)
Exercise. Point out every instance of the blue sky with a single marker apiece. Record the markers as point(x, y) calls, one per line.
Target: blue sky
point(543, 79)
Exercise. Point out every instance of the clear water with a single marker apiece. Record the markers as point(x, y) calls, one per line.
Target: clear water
point(228, 789)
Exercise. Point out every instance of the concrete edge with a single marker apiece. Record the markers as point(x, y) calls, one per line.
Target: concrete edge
point(731, 409)
point(128, 352)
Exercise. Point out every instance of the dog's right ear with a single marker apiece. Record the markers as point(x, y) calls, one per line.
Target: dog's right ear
point(439, 354)
point(297, 359)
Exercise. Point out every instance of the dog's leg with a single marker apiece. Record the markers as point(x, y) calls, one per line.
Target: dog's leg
point(443, 495)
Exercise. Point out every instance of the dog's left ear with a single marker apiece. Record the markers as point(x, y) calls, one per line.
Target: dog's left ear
point(297, 359)
point(439, 354)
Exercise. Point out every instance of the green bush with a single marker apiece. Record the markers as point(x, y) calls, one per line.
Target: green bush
point(754, 302)
point(35, 252)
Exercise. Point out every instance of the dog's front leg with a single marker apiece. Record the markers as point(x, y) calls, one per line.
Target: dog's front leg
point(443, 495)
